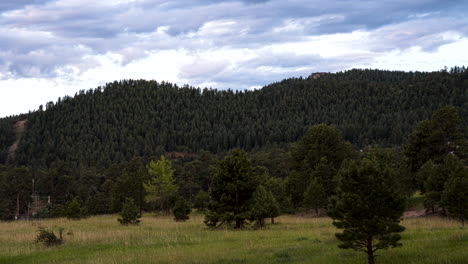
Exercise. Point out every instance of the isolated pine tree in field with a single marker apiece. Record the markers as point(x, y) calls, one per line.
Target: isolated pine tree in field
point(264, 205)
point(130, 213)
point(231, 191)
point(181, 210)
point(368, 206)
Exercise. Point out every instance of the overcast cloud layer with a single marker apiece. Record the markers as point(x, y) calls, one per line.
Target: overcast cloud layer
point(51, 48)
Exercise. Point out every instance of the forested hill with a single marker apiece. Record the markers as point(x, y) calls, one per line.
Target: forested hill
point(136, 117)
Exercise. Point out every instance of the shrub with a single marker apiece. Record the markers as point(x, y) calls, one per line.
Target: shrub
point(202, 199)
point(48, 237)
point(181, 210)
point(130, 213)
point(75, 210)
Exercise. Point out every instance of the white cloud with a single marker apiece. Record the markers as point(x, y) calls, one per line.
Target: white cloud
point(51, 48)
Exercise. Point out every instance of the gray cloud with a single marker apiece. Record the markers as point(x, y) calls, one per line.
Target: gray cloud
point(17, 4)
point(254, 72)
point(41, 37)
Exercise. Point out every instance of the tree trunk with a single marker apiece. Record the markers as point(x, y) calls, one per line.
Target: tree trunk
point(140, 200)
point(17, 207)
point(272, 220)
point(316, 211)
point(238, 223)
point(370, 252)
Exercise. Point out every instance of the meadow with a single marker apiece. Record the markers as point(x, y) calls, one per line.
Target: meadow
point(158, 239)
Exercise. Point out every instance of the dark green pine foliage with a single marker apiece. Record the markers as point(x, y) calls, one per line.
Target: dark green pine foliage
point(75, 210)
point(434, 139)
point(436, 176)
point(15, 191)
point(264, 205)
point(7, 136)
point(201, 201)
point(315, 196)
point(181, 210)
point(231, 191)
point(130, 185)
point(130, 213)
point(455, 195)
point(111, 124)
point(278, 187)
point(368, 207)
point(318, 154)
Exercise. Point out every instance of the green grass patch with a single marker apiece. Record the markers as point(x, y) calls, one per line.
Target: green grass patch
point(158, 239)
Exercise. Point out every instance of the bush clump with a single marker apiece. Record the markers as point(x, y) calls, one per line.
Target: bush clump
point(130, 213)
point(75, 210)
point(181, 210)
point(48, 237)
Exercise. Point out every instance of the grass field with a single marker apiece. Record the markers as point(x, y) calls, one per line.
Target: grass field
point(101, 239)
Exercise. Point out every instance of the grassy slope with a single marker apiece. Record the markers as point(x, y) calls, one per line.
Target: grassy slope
point(101, 239)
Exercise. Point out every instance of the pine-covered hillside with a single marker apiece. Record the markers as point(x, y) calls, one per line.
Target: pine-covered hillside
point(136, 117)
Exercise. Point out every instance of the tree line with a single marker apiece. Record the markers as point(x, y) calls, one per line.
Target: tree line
point(111, 124)
point(301, 175)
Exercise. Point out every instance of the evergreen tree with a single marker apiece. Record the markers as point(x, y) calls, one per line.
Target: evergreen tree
point(161, 189)
point(320, 151)
point(75, 210)
point(437, 175)
point(264, 205)
point(455, 195)
point(202, 199)
point(294, 185)
point(324, 173)
point(231, 191)
point(181, 210)
point(315, 196)
point(130, 185)
point(436, 138)
point(368, 206)
point(15, 191)
point(278, 188)
point(130, 213)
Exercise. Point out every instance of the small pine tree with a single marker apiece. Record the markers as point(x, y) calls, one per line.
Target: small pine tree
point(75, 210)
point(231, 191)
point(455, 196)
point(202, 199)
point(368, 206)
point(181, 210)
point(264, 205)
point(314, 196)
point(130, 213)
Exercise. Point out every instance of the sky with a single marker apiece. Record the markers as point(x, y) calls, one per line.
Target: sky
point(53, 48)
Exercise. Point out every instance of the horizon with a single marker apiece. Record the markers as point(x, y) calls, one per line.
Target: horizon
point(54, 48)
point(214, 88)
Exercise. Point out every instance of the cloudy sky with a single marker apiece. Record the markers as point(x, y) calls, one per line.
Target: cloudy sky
point(52, 48)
